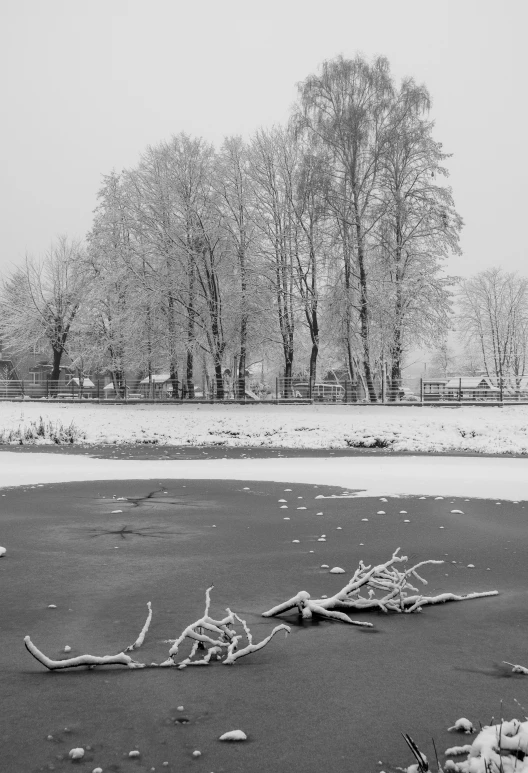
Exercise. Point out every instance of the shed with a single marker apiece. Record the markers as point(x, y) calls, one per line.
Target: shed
point(472, 388)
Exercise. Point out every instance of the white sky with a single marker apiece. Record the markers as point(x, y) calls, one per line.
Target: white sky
point(87, 85)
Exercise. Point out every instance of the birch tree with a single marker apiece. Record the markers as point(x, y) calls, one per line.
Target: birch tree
point(345, 107)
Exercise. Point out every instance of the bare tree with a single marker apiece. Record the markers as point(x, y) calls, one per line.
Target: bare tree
point(494, 314)
point(272, 155)
point(443, 360)
point(233, 183)
point(40, 301)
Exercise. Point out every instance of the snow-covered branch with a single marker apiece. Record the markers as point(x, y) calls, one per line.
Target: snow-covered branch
point(121, 658)
point(220, 634)
point(391, 585)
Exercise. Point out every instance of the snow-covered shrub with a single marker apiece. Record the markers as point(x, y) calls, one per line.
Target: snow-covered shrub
point(501, 748)
point(41, 431)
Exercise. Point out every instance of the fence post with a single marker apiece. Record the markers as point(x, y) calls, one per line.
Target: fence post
point(382, 387)
point(276, 388)
point(500, 388)
point(459, 390)
point(421, 389)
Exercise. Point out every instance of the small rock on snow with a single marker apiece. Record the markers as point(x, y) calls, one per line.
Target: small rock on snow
point(339, 528)
point(337, 570)
point(116, 511)
point(179, 708)
point(97, 770)
point(380, 512)
point(284, 507)
point(76, 754)
point(52, 606)
point(321, 539)
point(318, 513)
point(67, 648)
point(457, 512)
point(324, 566)
point(296, 540)
point(2, 551)
point(134, 753)
point(301, 508)
point(364, 519)
point(282, 500)
point(233, 735)
point(286, 519)
point(439, 497)
point(471, 566)
point(406, 520)
point(197, 753)
point(402, 512)
point(319, 496)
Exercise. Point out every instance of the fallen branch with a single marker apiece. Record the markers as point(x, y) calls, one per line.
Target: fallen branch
point(201, 633)
point(121, 659)
point(385, 579)
point(234, 654)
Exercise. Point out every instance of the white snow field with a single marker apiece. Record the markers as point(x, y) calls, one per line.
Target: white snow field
point(486, 430)
point(477, 477)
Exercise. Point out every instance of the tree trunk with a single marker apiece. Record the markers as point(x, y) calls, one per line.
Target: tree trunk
point(364, 308)
point(219, 379)
point(174, 380)
point(241, 380)
point(173, 364)
point(57, 356)
point(313, 323)
point(190, 330)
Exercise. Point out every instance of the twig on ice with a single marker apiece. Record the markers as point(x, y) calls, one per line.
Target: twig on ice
point(516, 669)
point(141, 638)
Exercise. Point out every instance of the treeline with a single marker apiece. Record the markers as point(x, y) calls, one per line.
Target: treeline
point(320, 243)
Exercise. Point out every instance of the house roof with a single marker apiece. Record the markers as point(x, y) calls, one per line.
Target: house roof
point(156, 378)
point(471, 382)
point(87, 382)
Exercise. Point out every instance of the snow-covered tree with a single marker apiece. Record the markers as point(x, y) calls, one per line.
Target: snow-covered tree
point(40, 301)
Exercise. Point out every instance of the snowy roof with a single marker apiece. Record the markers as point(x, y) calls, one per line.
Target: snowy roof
point(87, 382)
point(470, 382)
point(157, 378)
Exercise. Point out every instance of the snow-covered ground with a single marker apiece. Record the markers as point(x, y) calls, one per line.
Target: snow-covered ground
point(485, 478)
point(489, 430)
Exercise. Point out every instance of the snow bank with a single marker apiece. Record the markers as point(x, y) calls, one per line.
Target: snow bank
point(468, 428)
point(366, 476)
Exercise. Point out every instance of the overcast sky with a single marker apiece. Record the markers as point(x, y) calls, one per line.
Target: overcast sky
point(86, 86)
